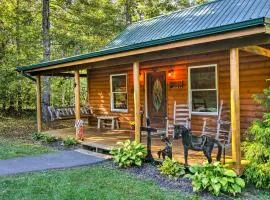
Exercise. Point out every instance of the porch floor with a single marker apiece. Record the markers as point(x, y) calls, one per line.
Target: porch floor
point(109, 138)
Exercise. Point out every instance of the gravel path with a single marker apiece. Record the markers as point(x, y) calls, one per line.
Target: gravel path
point(62, 159)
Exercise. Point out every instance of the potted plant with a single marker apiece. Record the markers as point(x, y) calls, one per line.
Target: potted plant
point(132, 125)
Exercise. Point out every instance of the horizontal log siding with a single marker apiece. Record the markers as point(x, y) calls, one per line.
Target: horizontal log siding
point(254, 70)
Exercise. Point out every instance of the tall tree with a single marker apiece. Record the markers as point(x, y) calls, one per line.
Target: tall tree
point(46, 57)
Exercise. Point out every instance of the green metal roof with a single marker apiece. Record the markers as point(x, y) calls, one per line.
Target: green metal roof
point(211, 18)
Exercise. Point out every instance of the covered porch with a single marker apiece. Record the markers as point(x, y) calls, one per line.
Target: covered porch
point(105, 139)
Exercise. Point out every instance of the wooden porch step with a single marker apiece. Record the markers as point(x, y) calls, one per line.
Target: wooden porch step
point(96, 147)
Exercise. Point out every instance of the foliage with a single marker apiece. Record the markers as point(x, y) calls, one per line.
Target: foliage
point(129, 153)
point(257, 145)
point(49, 139)
point(94, 182)
point(172, 168)
point(76, 27)
point(38, 136)
point(10, 148)
point(69, 141)
point(215, 178)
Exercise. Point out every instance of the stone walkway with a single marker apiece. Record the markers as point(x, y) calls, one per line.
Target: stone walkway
point(62, 159)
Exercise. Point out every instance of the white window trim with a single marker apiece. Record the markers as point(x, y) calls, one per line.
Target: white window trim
point(190, 91)
point(111, 93)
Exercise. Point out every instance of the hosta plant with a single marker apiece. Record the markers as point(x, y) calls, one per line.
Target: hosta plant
point(69, 141)
point(172, 168)
point(215, 178)
point(38, 136)
point(49, 139)
point(129, 153)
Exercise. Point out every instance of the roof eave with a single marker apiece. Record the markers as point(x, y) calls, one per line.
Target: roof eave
point(212, 31)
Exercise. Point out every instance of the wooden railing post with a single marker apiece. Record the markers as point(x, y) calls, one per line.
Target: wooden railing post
point(77, 96)
point(39, 109)
point(235, 107)
point(137, 115)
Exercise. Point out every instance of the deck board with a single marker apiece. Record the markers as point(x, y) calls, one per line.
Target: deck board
point(109, 138)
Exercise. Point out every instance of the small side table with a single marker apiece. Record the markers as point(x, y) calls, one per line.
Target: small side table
point(113, 119)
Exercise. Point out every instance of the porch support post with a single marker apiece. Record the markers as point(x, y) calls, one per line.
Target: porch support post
point(88, 93)
point(235, 107)
point(77, 96)
point(137, 115)
point(39, 108)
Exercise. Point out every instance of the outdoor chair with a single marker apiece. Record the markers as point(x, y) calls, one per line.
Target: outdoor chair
point(68, 112)
point(181, 116)
point(219, 128)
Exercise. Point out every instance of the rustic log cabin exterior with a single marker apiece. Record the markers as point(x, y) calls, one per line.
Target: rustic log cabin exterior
point(197, 56)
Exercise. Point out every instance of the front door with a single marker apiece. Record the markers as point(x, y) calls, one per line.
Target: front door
point(156, 99)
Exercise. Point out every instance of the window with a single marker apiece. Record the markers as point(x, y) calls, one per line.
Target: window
point(119, 96)
point(203, 89)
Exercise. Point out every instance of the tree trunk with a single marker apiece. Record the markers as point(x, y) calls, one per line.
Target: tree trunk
point(128, 12)
point(18, 51)
point(46, 57)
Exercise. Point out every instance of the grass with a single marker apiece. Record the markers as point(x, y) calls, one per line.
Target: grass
point(94, 182)
point(10, 148)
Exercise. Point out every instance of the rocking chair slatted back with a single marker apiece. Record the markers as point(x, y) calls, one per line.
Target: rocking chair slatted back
point(181, 116)
point(223, 131)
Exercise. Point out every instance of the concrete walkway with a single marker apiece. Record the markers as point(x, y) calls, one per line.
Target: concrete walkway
point(62, 159)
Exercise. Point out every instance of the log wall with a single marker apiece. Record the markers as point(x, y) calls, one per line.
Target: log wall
point(254, 70)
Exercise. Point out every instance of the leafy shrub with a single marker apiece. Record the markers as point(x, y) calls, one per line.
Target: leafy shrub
point(129, 153)
point(49, 139)
point(257, 146)
point(172, 168)
point(69, 141)
point(216, 179)
point(38, 136)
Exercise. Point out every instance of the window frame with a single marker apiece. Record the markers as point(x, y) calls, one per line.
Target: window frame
point(191, 90)
point(112, 93)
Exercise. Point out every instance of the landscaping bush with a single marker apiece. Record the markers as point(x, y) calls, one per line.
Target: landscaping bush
point(38, 136)
point(129, 153)
point(69, 141)
point(172, 168)
point(215, 178)
point(49, 139)
point(257, 146)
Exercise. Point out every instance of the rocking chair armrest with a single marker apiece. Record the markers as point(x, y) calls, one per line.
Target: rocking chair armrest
point(224, 122)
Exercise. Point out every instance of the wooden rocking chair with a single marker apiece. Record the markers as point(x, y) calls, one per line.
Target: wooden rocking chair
point(181, 116)
point(220, 129)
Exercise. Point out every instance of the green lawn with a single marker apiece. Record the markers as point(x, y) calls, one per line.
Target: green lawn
point(82, 183)
point(16, 148)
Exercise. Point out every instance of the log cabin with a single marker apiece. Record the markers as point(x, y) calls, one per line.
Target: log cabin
point(196, 56)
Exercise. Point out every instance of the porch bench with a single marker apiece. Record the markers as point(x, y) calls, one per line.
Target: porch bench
point(102, 121)
point(62, 113)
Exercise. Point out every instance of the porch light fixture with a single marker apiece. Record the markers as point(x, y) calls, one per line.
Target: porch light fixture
point(171, 71)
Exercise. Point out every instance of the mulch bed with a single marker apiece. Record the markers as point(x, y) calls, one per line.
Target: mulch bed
point(150, 172)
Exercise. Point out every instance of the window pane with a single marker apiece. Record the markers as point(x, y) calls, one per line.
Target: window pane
point(120, 101)
point(119, 83)
point(204, 101)
point(203, 78)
